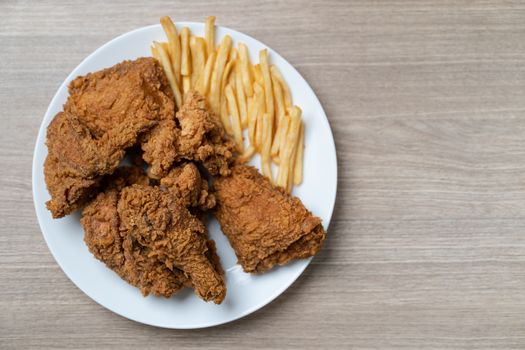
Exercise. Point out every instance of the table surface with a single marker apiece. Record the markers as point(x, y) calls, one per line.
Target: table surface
point(426, 102)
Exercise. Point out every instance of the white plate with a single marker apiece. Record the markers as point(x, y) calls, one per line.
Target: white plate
point(246, 293)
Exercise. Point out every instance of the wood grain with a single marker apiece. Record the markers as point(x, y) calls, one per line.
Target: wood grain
point(426, 100)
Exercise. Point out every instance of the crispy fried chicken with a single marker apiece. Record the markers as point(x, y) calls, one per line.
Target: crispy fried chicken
point(264, 224)
point(103, 116)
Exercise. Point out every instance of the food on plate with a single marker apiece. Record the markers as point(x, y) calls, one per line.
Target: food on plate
point(148, 237)
point(103, 116)
point(180, 118)
point(121, 252)
point(169, 232)
point(248, 97)
point(195, 134)
point(264, 224)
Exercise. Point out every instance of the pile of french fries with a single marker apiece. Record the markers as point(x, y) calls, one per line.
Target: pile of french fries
point(244, 96)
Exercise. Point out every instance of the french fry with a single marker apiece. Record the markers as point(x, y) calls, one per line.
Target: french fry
point(261, 109)
point(252, 119)
point(286, 91)
point(279, 113)
point(185, 63)
point(218, 70)
point(204, 85)
point(248, 154)
point(227, 70)
point(236, 121)
point(154, 52)
point(247, 78)
point(266, 144)
point(225, 117)
point(241, 97)
point(268, 90)
point(298, 170)
point(288, 150)
point(186, 85)
point(166, 65)
point(198, 60)
point(257, 74)
point(209, 34)
point(174, 45)
point(280, 136)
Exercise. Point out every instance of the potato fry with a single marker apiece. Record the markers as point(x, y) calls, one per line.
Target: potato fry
point(288, 150)
point(225, 117)
point(280, 136)
point(174, 45)
point(279, 113)
point(241, 97)
point(252, 119)
point(246, 75)
point(198, 60)
point(286, 91)
point(258, 128)
point(298, 170)
point(268, 90)
point(266, 144)
point(236, 121)
point(258, 74)
point(166, 65)
point(218, 70)
point(185, 63)
point(154, 52)
point(248, 154)
point(186, 86)
point(204, 85)
point(261, 109)
point(228, 70)
point(209, 35)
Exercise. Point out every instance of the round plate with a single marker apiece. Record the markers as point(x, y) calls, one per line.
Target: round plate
point(246, 293)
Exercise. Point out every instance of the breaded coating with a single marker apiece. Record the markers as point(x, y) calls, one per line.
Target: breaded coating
point(68, 191)
point(186, 183)
point(157, 220)
point(73, 145)
point(118, 250)
point(202, 136)
point(160, 148)
point(195, 135)
point(104, 115)
point(265, 225)
point(130, 90)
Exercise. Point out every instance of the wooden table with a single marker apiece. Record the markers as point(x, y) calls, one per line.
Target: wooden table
point(427, 245)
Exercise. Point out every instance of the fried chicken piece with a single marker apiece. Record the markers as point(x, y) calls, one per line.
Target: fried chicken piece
point(202, 136)
point(186, 183)
point(265, 225)
point(68, 191)
point(198, 136)
point(160, 148)
point(131, 90)
point(104, 115)
point(121, 252)
point(72, 144)
point(158, 221)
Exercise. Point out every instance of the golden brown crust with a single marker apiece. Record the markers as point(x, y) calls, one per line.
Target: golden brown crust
point(121, 252)
point(185, 182)
point(103, 116)
point(265, 225)
point(157, 221)
point(202, 137)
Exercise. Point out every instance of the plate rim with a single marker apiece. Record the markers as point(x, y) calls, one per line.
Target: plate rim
point(41, 140)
